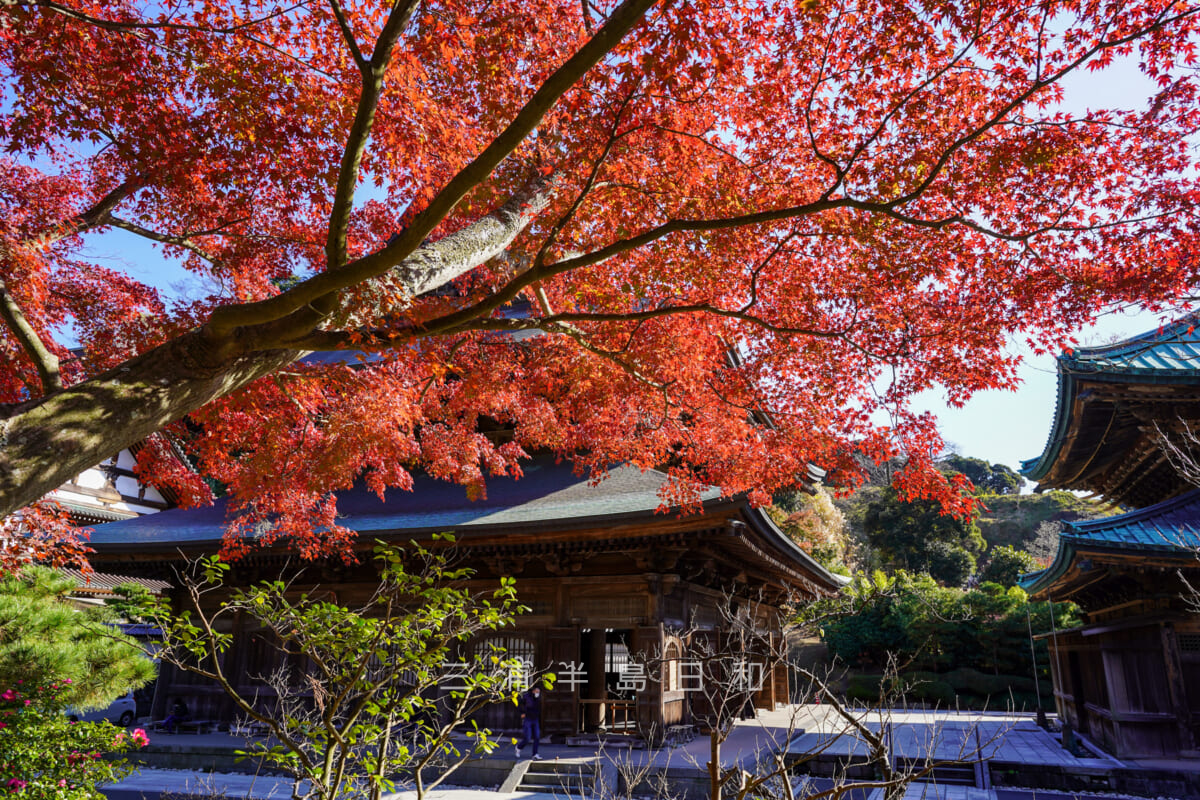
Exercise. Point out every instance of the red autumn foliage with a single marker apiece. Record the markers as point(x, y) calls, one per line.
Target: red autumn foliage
point(713, 210)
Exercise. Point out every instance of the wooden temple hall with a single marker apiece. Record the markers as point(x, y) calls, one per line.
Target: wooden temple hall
point(1129, 677)
point(604, 573)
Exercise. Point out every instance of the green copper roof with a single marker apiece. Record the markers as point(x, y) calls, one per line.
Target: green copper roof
point(1170, 527)
point(1165, 355)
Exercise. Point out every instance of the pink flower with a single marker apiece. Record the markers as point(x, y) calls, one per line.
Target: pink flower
point(67, 681)
point(16, 784)
point(139, 737)
point(9, 694)
point(28, 702)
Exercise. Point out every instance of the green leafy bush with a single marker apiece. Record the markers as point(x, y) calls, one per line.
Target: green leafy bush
point(44, 756)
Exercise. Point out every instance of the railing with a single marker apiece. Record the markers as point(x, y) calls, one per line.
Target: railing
point(615, 715)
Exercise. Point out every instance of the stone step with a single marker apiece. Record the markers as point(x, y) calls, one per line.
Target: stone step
point(570, 777)
point(559, 767)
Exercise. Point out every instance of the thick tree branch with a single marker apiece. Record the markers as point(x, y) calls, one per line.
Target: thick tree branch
point(313, 294)
point(437, 263)
point(45, 361)
point(46, 442)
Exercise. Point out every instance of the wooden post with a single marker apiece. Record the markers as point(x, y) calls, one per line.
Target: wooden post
point(647, 642)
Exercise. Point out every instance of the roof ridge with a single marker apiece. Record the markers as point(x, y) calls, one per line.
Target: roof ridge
point(1135, 344)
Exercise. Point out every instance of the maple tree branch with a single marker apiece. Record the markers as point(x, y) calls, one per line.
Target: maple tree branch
point(588, 184)
point(184, 241)
point(699, 137)
point(436, 263)
point(347, 33)
point(135, 28)
point(44, 360)
point(364, 120)
point(509, 291)
point(380, 339)
point(1018, 238)
point(581, 340)
point(316, 289)
point(93, 217)
point(908, 97)
point(666, 311)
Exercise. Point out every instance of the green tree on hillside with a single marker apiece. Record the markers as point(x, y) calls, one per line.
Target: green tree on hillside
point(1006, 564)
point(988, 478)
point(44, 639)
point(916, 536)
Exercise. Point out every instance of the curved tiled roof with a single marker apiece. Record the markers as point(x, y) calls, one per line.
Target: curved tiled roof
point(1166, 355)
point(549, 495)
point(1171, 527)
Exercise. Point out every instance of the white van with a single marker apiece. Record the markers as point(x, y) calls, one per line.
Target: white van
point(121, 711)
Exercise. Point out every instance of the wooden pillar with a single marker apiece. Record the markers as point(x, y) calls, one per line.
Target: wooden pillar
point(595, 650)
point(648, 646)
point(1176, 687)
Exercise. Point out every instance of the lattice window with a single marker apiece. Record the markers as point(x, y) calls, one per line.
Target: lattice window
point(1189, 642)
point(616, 657)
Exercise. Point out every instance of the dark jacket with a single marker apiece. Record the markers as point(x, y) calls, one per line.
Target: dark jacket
point(531, 706)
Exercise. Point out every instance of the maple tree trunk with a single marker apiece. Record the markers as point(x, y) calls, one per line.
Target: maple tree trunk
point(49, 441)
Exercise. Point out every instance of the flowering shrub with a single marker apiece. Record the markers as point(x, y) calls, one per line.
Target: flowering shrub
point(45, 755)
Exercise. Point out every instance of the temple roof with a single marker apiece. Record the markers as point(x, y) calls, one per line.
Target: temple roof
point(548, 492)
point(1169, 530)
point(1107, 397)
point(548, 497)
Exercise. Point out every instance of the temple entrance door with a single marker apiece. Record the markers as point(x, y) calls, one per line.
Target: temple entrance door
point(561, 705)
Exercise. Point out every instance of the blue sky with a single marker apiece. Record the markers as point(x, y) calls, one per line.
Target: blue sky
point(1011, 426)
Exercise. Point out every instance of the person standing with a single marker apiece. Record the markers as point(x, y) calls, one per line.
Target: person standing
point(531, 720)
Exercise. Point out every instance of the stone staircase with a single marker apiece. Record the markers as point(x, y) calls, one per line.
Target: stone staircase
point(563, 778)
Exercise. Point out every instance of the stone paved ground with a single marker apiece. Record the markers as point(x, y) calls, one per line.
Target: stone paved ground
point(948, 735)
